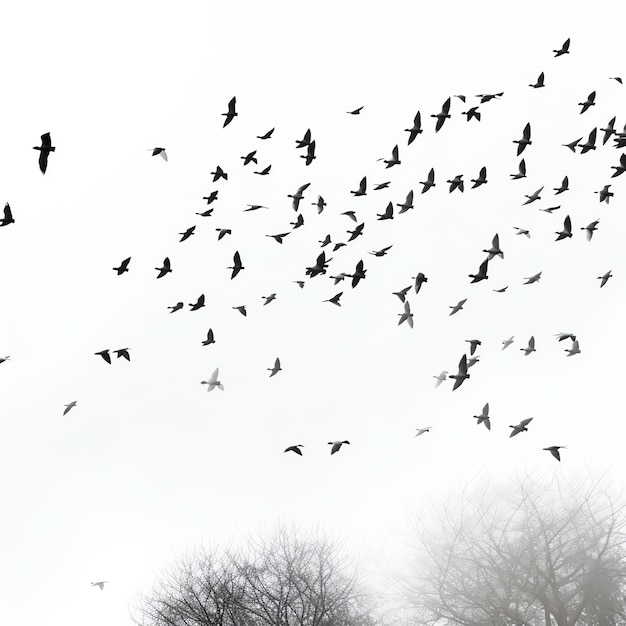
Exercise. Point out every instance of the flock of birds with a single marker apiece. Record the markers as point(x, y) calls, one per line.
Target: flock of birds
point(358, 274)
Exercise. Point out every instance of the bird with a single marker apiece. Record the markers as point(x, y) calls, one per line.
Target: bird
point(416, 129)
point(507, 342)
point(158, 151)
point(123, 352)
point(533, 279)
point(335, 299)
point(619, 169)
point(265, 171)
point(524, 141)
point(321, 264)
point(69, 407)
point(554, 451)
point(44, 151)
point(482, 178)
point(8, 216)
point(604, 278)
point(483, 418)
point(276, 367)
point(358, 230)
point(165, 269)
point(100, 584)
point(381, 252)
point(539, 82)
point(474, 343)
point(255, 207)
point(501, 290)
point(472, 113)
point(457, 307)
point(566, 233)
point(564, 186)
point(206, 213)
point(359, 274)
point(590, 144)
point(336, 445)
point(551, 209)
point(198, 304)
point(296, 197)
point(533, 196)
point(237, 266)
point(407, 316)
point(394, 160)
point(387, 215)
point(402, 293)
point(521, 427)
point(278, 238)
point(589, 102)
point(608, 131)
point(177, 307)
point(219, 173)
point(355, 111)
point(521, 171)
point(440, 378)
point(495, 248)
point(305, 141)
point(574, 348)
point(482, 272)
point(456, 183)
point(461, 375)
point(5, 358)
point(443, 115)
point(604, 194)
point(295, 449)
point(299, 221)
point(380, 186)
point(123, 266)
point(361, 191)
point(420, 279)
point(310, 154)
point(590, 229)
point(300, 283)
point(421, 431)
point(231, 113)
point(105, 355)
point(429, 182)
point(530, 347)
point(486, 97)
point(617, 78)
point(187, 233)
point(522, 231)
point(564, 49)
point(269, 298)
point(267, 135)
point(564, 336)
point(407, 204)
point(241, 309)
point(572, 145)
point(210, 338)
point(250, 158)
point(222, 232)
point(320, 204)
point(212, 197)
point(213, 381)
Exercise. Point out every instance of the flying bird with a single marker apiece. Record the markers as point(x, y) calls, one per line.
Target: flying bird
point(222, 232)
point(219, 173)
point(394, 160)
point(5, 358)
point(310, 154)
point(564, 186)
point(566, 233)
point(358, 230)
point(495, 248)
point(296, 197)
point(295, 449)
point(421, 431)
point(165, 269)
point(44, 151)
point(533, 196)
point(213, 381)
point(305, 141)
point(276, 368)
point(105, 355)
point(472, 113)
point(522, 231)
point(461, 375)
point(8, 216)
point(604, 278)
point(554, 451)
point(416, 129)
point(608, 131)
point(321, 264)
point(187, 233)
point(250, 158)
point(420, 279)
point(482, 178)
point(483, 418)
point(573, 144)
point(590, 229)
point(521, 427)
point(69, 407)
point(381, 252)
point(533, 279)
point(278, 238)
point(359, 274)
point(482, 272)
point(443, 115)
point(158, 151)
point(269, 298)
point(486, 97)
point(123, 352)
point(407, 316)
point(123, 267)
point(440, 378)
point(539, 82)
point(429, 182)
point(507, 342)
point(590, 144)
point(335, 299)
point(267, 135)
point(265, 171)
point(619, 169)
point(320, 204)
point(589, 102)
point(210, 338)
point(177, 307)
point(524, 141)
point(237, 266)
point(456, 183)
point(564, 49)
point(336, 445)
point(521, 171)
point(604, 194)
point(100, 584)
point(380, 186)
point(574, 348)
point(241, 309)
point(457, 307)
point(530, 347)
point(407, 204)
point(361, 191)
point(387, 215)
point(198, 304)
point(231, 114)
point(402, 293)
point(355, 111)
point(474, 343)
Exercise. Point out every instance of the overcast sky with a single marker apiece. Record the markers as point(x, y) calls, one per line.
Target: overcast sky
point(148, 464)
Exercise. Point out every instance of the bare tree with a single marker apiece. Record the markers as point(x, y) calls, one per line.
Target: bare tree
point(281, 581)
point(544, 553)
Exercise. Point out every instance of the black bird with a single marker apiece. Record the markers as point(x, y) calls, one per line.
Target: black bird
point(278, 238)
point(387, 215)
point(564, 186)
point(443, 116)
point(206, 213)
point(539, 83)
point(160, 152)
point(473, 112)
point(407, 204)
point(381, 252)
point(456, 183)
point(44, 150)
point(608, 131)
point(402, 293)
point(269, 298)
point(105, 355)
point(429, 182)
point(554, 451)
point(619, 169)
point(296, 197)
point(123, 267)
point(8, 216)
point(394, 160)
point(563, 50)
point(573, 144)
point(255, 207)
point(177, 307)
point(484, 417)
point(460, 377)
point(534, 196)
point(295, 449)
point(359, 274)
point(237, 266)
point(187, 233)
point(335, 299)
point(358, 230)
point(241, 309)
point(486, 97)
point(520, 428)
point(495, 248)
point(355, 112)
point(321, 264)
point(231, 113)
point(212, 197)
point(482, 178)
point(219, 173)
point(310, 154)
point(482, 272)
point(605, 194)
point(524, 141)
point(123, 352)
point(250, 158)
point(521, 171)
point(474, 343)
point(267, 135)
point(320, 204)
point(362, 187)
point(265, 171)
point(305, 141)
point(209, 338)
point(380, 186)
point(420, 279)
point(416, 129)
point(567, 229)
point(223, 232)
point(590, 144)
point(166, 269)
point(299, 221)
point(198, 304)
point(589, 102)
point(336, 445)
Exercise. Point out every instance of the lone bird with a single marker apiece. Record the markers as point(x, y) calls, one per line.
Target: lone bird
point(484, 417)
point(355, 111)
point(554, 451)
point(267, 135)
point(69, 407)
point(507, 342)
point(123, 267)
point(533, 279)
point(210, 338)
point(521, 427)
point(165, 269)
point(604, 278)
point(336, 445)
point(100, 584)
point(421, 431)
point(213, 381)
point(539, 82)
point(276, 368)
point(231, 113)
point(45, 149)
point(295, 449)
point(159, 152)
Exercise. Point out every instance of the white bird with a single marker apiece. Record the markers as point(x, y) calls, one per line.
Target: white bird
point(407, 316)
point(421, 431)
point(575, 349)
point(530, 348)
point(100, 584)
point(440, 378)
point(213, 381)
point(69, 407)
point(507, 342)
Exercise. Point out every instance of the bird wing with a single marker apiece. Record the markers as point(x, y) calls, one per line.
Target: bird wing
point(8, 216)
point(231, 106)
point(567, 224)
point(486, 410)
point(525, 422)
point(446, 107)
point(526, 133)
point(213, 379)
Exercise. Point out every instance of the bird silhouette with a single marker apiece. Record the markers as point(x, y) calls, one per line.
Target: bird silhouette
point(554, 451)
point(524, 141)
point(420, 279)
point(407, 316)
point(572, 145)
point(482, 178)
point(210, 338)
point(564, 49)
point(310, 154)
point(483, 418)
point(213, 381)
point(69, 407)
point(573, 349)
point(267, 135)
point(461, 376)
point(567, 229)
point(8, 216)
point(590, 144)
point(305, 141)
point(482, 272)
point(472, 113)
point(604, 194)
point(429, 182)
point(456, 183)
point(237, 265)
point(355, 111)
point(187, 233)
point(123, 266)
point(231, 114)
point(416, 129)
point(336, 445)
point(533, 279)
point(219, 173)
point(608, 131)
point(158, 152)
point(619, 170)
point(276, 368)
point(265, 171)
point(105, 355)
point(539, 82)
point(165, 269)
point(269, 298)
point(394, 160)
point(440, 378)
point(122, 353)
point(521, 171)
point(241, 309)
point(358, 275)
point(177, 307)
point(407, 204)
point(590, 229)
point(442, 116)
point(536, 195)
point(296, 197)
point(198, 304)
point(387, 214)
point(457, 307)
point(45, 149)
point(563, 187)
point(474, 343)
point(604, 278)
point(589, 102)
point(295, 449)
point(507, 342)
point(495, 248)
point(521, 427)
point(335, 299)
point(100, 584)
point(421, 431)
point(530, 347)
point(361, 191)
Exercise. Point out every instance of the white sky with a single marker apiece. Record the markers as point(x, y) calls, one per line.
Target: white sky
point(148, 464)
